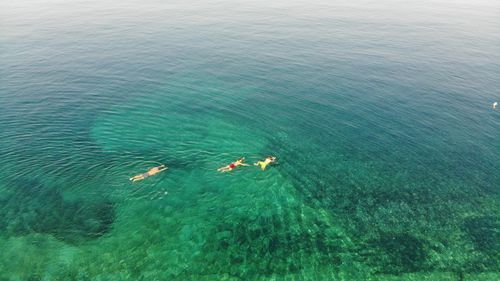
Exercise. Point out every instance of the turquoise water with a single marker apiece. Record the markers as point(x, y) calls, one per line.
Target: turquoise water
point(378, 111)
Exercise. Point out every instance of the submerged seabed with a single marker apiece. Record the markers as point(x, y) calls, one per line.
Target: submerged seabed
point(388, 149)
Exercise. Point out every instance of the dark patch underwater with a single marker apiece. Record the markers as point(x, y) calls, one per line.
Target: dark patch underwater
point(30, 207)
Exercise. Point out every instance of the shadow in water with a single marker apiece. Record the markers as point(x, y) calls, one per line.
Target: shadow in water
point(30, 207)
point(272, 244)
point(396, 253)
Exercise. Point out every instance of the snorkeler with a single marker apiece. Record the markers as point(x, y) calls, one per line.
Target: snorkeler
point(495, 105)
point(151, 172)
point(267, 161)
point(233, 165)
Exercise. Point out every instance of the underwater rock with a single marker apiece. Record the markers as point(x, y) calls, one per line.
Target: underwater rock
point(30, 207)
point(273, 244)
point(397, 253)
point(483, 231)
point(484, 234)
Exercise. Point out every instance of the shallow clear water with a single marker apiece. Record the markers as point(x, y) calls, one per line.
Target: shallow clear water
point(378, 111)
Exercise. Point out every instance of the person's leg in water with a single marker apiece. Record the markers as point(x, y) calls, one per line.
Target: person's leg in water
point(137, 178)
point(225, 169)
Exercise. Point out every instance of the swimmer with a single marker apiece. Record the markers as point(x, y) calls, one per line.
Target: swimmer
point(151, 172)
point(233, 165)
point(267, 161)
point(495, 105)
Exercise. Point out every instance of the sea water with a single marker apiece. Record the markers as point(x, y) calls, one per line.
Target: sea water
point(379, 113)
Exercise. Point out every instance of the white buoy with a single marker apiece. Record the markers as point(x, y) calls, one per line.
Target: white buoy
point(495, 104)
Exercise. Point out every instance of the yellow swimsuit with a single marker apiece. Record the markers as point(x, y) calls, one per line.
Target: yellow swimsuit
point(263, 164)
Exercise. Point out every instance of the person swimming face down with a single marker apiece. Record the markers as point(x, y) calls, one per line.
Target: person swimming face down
point(151, 172)
point(267, 161)
point(233, 165)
